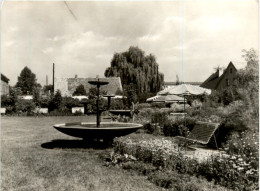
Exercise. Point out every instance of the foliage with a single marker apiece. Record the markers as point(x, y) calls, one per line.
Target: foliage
point(159, 116)
point(25, 106)
point(80, 90)
point(69, 103)
point(230, 170)
point(44, 102)
point(48, 88)
point(26, 81)
point(130, 92)
point(36, 96)
point(5, 101)
point(10, 101)
point(179, 127)
point(117, 104)
point(134, 67)
point(56, 101)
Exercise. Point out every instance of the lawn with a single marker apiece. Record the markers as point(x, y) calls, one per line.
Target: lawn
point(35, 156)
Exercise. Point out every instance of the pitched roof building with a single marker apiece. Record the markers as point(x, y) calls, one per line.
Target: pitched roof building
point(67, 86)
point(217, 82)
point(173, 84)
point(4, 85)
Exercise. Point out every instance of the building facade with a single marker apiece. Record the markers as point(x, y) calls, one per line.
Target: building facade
point(67, 86)
point(219, 82)
point(4, 85)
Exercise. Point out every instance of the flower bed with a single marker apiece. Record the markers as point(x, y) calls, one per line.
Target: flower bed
point(228, 170)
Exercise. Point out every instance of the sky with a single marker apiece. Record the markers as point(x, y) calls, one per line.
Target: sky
point(188, 38)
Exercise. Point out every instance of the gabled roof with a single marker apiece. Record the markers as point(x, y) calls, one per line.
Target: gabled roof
point(211, 81)
point(224, 73)
point(4, 78)
point(214, 79)
point(110, 89)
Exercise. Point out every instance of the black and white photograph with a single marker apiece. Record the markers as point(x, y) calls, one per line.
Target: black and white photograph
point(129, 95)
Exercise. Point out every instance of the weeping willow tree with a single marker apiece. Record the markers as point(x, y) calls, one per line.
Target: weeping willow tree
point(138, 71)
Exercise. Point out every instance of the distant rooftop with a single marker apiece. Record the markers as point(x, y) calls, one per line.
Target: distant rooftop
point(4, 78)
point(174, 83)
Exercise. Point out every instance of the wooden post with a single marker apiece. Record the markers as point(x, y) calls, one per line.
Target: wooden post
point(98, 120)
point(53, 71)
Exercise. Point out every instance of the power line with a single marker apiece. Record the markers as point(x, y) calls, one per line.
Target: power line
point(71, 12)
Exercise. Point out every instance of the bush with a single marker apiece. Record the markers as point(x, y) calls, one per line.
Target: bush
point(158, 105)
point(44, 102)
point(55, 102)
point(143, 105)
point(177, 127)
point(159, 116)
point(25, 106)
point(153, 128)
point(5, 101)
point(117, 104)
point(70, 102)
point(232, 171)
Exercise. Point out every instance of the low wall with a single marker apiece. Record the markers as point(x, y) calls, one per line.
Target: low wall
point(3, 110)
point(75, 109)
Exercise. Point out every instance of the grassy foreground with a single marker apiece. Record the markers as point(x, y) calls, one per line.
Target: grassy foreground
point(28, 161)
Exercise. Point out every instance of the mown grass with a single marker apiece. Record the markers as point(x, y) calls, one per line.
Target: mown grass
point(26, 164)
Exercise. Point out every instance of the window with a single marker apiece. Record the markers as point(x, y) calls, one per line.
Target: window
point(227, 82)
point(231, 71)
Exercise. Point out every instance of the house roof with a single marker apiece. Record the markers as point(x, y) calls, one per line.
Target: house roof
point(211, 81)
point(174, 83)
point(185, 89)
point(4, 78)
point(110, 89)
point(224, 73)
point(214, 79)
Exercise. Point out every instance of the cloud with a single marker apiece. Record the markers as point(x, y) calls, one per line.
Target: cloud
point(185, 36)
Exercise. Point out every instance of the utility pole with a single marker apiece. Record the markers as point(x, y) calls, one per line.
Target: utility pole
point(46, 80)
point(53, 70)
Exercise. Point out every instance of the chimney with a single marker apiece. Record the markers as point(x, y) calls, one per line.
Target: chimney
point(76, 76)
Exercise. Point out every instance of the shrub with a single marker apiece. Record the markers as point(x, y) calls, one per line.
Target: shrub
point(143, 105)
point(70, 102)
point(25, 106)
point(158, 105)
point(159, 116)
point(5, 101)
point(153, 128)
point(80, 90)
point(55, 102)
point(232, 171)
point(117, 104)
point(44, 102)
point(177, 126)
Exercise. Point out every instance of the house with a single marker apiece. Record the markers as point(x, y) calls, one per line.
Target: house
point(67, 86)
point(173, 84)
point(218, 82)
point(4, 85)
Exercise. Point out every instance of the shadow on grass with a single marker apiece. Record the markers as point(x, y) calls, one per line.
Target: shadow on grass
point(76, 144)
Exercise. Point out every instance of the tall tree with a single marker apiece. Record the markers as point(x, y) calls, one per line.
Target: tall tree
point(26, 81)
point(134, 67)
